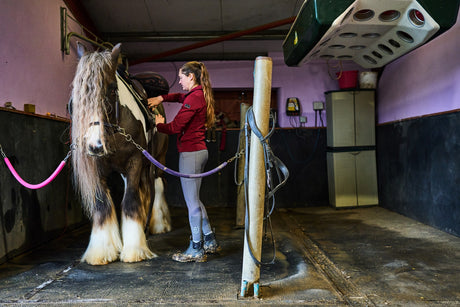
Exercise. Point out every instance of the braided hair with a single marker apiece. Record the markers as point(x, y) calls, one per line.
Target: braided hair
point(201, 75)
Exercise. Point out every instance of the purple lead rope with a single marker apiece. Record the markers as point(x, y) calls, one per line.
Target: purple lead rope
point(174, 173)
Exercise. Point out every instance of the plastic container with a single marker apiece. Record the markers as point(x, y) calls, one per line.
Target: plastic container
point(348, 79)
point(368, 79)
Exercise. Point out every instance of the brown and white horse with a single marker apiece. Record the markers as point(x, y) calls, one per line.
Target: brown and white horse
point(101, 102)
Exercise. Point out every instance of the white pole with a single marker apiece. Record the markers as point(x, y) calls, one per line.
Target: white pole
point(256, 180)
point(240, 175)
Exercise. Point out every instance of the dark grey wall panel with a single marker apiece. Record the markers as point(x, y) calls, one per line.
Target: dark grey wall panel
point(35, 146)
point(419, 169)
point(307, 184)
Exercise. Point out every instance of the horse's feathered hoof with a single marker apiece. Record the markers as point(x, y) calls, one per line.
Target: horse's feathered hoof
point(136, 255)
point(158, 228)
point(96, 258)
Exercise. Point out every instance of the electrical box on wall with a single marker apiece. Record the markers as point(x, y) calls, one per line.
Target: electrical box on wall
point(318, 105)
point(293, 106)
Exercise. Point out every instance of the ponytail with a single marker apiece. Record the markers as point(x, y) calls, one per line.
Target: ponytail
point(202, 78)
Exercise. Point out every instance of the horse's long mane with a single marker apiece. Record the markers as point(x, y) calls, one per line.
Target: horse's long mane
point(89, 105)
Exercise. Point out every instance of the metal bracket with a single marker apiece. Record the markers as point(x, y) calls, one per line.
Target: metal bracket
point(65, 37)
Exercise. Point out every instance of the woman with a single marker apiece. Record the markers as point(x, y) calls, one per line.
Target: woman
point(190, 123)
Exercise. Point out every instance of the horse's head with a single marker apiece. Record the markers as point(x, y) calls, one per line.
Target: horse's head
point(94, 96)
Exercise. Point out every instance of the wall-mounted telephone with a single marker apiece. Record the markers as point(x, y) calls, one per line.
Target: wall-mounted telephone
point(293, 106)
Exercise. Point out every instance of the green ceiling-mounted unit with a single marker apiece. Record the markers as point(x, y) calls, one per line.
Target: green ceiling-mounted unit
point(370, 32)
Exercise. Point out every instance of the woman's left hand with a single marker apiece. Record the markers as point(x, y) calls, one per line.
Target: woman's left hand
point(159, 119)
point(154, 101)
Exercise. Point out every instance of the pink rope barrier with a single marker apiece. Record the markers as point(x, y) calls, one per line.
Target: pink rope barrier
point(39, 185)
point(33, 186)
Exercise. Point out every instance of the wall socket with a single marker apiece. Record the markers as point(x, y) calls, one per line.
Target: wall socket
point(318, 105)
point(303, 119)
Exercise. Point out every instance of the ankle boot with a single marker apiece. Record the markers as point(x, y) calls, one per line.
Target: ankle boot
point(194, 253)
point(210, 244)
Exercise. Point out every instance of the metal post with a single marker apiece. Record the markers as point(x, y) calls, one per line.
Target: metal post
point(256, 184)
point(240, 175)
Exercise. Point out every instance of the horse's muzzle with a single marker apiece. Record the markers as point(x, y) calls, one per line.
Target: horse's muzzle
point(96, 149)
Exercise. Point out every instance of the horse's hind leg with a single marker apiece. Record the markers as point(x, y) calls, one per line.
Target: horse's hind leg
point(105, 242)
point(133, 217)
point(160, 221)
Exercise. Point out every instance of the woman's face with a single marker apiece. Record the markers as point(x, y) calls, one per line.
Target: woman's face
point(187, 82)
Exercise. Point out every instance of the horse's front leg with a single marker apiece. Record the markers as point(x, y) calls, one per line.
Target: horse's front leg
point(133, 218)
point(105, 242)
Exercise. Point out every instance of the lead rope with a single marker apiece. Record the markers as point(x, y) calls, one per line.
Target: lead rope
point(272, 163)
point(39, 185)
point(129, 138)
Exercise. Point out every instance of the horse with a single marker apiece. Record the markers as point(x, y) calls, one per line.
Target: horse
point(102, 106)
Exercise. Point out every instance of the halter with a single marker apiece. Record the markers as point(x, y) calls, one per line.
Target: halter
point(117, 111)
point(107, 125)
point(115, 127)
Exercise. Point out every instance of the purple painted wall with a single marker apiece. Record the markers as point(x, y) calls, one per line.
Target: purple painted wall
point(308, 82)
point(424, 81)
point(33, 69)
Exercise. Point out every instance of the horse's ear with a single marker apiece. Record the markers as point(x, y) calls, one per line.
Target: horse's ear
point(81, 49)
point(116, 52)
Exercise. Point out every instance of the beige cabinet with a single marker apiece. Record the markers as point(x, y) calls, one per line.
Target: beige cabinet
point(351, 162)
point(350, 118)
point(352, 178)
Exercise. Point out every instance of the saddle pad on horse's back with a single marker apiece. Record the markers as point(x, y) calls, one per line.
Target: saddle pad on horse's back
point(143, 86)
point(153, 83)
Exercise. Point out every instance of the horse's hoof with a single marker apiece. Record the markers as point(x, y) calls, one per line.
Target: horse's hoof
point(98, 260)
point(137, 255)
point(95, 262)
point(157, 229)
point(101, 254)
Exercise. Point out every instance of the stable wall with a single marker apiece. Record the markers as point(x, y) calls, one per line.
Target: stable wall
point(418, 134)
point(419, 167)
point(32, 66)
point(34, 71)
point(35, 146)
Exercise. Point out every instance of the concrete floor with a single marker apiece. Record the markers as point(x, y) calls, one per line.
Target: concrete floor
point(324, 257)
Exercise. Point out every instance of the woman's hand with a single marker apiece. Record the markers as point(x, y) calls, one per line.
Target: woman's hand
point(154, 101)
point(159, 119)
